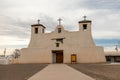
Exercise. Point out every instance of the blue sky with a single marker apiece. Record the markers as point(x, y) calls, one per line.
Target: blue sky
point(16, 16)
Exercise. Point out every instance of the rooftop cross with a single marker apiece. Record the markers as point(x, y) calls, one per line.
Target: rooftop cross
point(59, 21)
point(38, 21)
point(84, 17)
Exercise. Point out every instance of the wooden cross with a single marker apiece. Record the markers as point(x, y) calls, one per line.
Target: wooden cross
point(84, 17)
point(59, 21)
point(38, 21)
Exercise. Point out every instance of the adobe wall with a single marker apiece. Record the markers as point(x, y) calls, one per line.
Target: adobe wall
point(84, 55)
point(35, 55)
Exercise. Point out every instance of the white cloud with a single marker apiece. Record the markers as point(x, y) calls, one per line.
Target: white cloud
point(9, 40)
point(16, 16)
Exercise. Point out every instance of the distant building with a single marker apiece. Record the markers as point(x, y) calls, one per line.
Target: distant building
point(62, 46)
point(112, 56)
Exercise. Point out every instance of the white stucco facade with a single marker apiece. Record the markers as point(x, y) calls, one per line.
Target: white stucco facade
point(48, 47)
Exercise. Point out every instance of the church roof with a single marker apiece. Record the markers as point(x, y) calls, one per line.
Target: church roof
point(85, 21)
point(38, 25)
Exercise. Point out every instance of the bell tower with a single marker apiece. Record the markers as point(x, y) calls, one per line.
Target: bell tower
point(37, 28)
point(85, 25)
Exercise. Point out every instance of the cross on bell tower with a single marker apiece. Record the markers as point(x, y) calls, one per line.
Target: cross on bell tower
point(59, 21)
point(84, 17)
point(38, 21)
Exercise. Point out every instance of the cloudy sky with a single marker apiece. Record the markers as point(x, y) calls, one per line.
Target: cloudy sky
point(16, 16)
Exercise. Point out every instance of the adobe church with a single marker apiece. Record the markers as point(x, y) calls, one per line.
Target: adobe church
point(62, 46)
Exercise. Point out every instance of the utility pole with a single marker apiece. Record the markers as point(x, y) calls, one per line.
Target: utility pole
point(4, 52)
point(116, 48)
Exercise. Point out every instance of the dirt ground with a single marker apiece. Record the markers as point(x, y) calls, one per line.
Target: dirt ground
point(24, 71)
point(99, 71)
point(19, 71)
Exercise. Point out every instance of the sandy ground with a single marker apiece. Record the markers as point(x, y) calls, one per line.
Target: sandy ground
point(19, 71)
point(99, 71)
point(24, 71)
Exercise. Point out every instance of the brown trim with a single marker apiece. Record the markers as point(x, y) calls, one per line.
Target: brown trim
point(85, 21)
point(38, 25)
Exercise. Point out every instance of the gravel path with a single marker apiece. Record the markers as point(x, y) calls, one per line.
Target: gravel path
point(99, 71)
point(19, 71)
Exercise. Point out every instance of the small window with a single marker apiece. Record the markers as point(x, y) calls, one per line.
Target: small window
point(84, 27)
point(36, 30)
point(42, 30)
point(57, 44)
point(59, 30)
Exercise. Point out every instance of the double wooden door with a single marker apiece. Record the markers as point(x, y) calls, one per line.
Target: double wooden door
point(59, 57)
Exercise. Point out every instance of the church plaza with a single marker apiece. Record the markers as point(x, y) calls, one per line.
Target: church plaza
point(62, 71)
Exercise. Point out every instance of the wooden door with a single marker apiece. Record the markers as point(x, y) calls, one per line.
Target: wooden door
point(59, 57)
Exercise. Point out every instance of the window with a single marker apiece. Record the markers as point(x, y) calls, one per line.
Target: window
point(57, 44)
point(36, 30)
point(42, 30)
point(84, 27)
point(59, 30)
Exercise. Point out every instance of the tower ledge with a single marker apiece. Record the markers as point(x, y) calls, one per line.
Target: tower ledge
point(38, 25)
point(85, 21)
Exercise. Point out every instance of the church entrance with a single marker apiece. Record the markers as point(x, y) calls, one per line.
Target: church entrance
point(57, 56)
